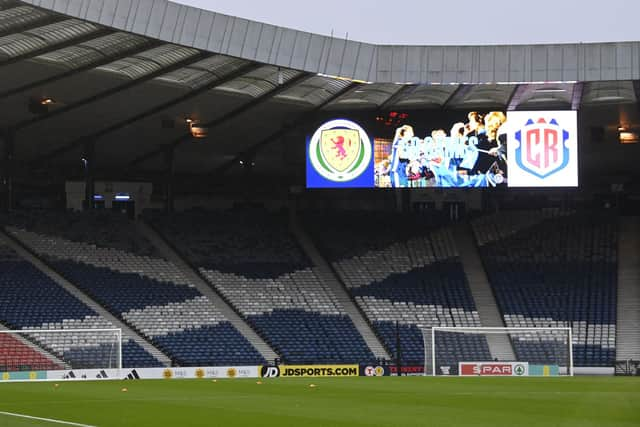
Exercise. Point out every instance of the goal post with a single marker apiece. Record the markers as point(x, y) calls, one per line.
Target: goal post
point(498, 351)
point(32, 350)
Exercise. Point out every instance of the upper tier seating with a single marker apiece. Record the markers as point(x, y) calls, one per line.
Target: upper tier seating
point(150, 294)
point(554, 269)
point(108, 229)
point(400, 272)
point(31, 300)
point(253, 261)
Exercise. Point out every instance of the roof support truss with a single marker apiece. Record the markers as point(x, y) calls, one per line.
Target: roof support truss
point(226, 117)
point(147, 113)
point(109, 92)
point(69, 73)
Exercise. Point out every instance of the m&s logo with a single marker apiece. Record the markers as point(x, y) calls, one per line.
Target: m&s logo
point(542, 147)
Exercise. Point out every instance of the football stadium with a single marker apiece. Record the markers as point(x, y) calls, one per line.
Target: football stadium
point(207, 220)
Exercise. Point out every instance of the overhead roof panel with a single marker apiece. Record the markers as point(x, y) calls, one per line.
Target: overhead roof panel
point(366, 96)
point(168, 54)
point(426, 96)
point(608, 92)
point(5, 4)
point(20, 17)
point(62, 31)
point(116, 43)
point(260, 81)
point(71, 57)
point(93, 50)
point(147, 62)
point(219, 65)
point(361, 62)
point(19, 44)
point(38, 38)
point(313, 91)
point(535, 95)
point(203, 72)
point(489, 95)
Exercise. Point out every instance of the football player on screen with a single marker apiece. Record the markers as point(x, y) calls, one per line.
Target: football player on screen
point(498, 131)
point(400, 156)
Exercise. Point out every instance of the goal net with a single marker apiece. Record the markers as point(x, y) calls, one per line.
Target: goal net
point(60, 349)
point(481, 351)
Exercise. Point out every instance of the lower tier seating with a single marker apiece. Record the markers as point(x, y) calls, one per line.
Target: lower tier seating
point(405, 278)
point(31, 300)
point(152, 296)
point(16, 355)
point(555, 269)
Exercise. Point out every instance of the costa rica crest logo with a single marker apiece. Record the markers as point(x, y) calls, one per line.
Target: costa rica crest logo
point(542, 147)
point(340, 151)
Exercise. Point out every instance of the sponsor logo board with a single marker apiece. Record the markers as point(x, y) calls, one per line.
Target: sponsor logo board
point(23, 376)
point(269, 371)
point(85, 374)
point(309, 371)
point(157, 373)
point(374, 371)
point(494, 369)
point(407, 371)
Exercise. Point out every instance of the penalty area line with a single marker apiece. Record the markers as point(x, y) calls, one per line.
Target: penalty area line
point(49, 420)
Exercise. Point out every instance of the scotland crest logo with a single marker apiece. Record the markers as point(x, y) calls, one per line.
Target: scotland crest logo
point(340, 151)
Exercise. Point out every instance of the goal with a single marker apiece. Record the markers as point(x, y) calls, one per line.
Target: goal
point(478, 351)
point(32, 350)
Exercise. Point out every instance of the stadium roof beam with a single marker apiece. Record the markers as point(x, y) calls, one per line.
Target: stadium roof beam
point(636, 90)
point(221, 120)
point(55, 42)
point(393, 99)
point(124, 53)
point(304, 118)
point(359, 61)
point(516, 97)
point(147, 113)
point(460, 92)
point(109, 92)
point(576, 96)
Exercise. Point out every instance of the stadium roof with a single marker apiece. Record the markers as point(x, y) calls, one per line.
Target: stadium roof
point(127, 74)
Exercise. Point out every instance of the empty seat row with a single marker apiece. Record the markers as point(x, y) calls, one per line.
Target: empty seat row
point(555, 269)
point(255, 263)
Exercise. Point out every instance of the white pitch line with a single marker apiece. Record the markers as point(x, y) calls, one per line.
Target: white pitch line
point(50, 420)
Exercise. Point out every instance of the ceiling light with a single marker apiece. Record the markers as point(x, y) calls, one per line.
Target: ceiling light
point(198, 131)
point(628, 138)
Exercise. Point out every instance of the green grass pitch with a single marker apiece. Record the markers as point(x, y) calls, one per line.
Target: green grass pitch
point(389, 401)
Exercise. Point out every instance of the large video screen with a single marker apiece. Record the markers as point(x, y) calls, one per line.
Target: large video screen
point(471, 149)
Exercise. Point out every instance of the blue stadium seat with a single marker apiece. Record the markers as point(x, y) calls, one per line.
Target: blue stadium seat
point(555, 269)
point(251, 259)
